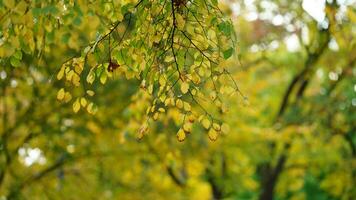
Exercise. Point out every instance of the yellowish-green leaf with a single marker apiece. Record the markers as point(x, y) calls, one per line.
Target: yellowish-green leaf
point(76, 80)
point(90, 93)
point(91, 77)
point(76, 105)
point(184, 87)
point(150, 89)
point(351, 14)
point(169, 59)
point(213, 135)
point(180, 21)
point(187, 106)
point(60, 74)
point(103, 78)
point(206, 123)
point(60, 94)
point(67, 97)
point(179, 103)
point(212, 95)
point(91, 108)
point(162, 81)
point(142, 131)
point(83, 102)
point(216, 126)
point(187, 127)
point(155, 116)
point(191, 118)
point(181, 135)
point(190, 29)
point(78, 68)
point(167, 101)
point(9, 3)
point(69, 75)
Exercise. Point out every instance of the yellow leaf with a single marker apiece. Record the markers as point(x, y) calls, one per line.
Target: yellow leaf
point(60, 94)
point(91, 77)
point(187, 106)
point(226, 90)
point(216, 126)
point(191, 118)
point(153, 108)
point(69, 75)
point(190, 29)
point(83, 102)
point(187, 127)
point(206, 123)
point(150, 89)
point(196, 78)
point(169, 59)
point(143, 84)
point(167, 101)
point(213, 135)
point(179, 103)
point(76, 105)
point(67, 97)
point(90, 93)
point(91, 108)
point(180, 21)
point(142, 131)
point(224, 108)
point(21, 8)
point(139, 135)
point(144, 128)
point(181, 135)
point(76, 80)
point(351, 14)
point(172, 102)
point(184, 87)
point(78, 68)
point(162, 81)
point(212, 95)
point(155, 116)
point(60, 74)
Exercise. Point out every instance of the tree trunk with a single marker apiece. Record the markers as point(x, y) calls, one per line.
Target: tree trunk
point(270, 178)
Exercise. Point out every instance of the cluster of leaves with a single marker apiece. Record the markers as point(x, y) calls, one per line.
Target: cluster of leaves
point(175, 49)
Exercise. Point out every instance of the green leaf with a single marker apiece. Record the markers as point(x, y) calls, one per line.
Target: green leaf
point(215, 2)
point(228, 53)
point(15, 62)
point(99, 70)
point(18, 55)
point(225, 27)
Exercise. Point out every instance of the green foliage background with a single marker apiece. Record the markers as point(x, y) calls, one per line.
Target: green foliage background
point(233, 112)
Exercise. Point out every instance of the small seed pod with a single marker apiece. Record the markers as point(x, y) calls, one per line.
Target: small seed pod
point(112, 66)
